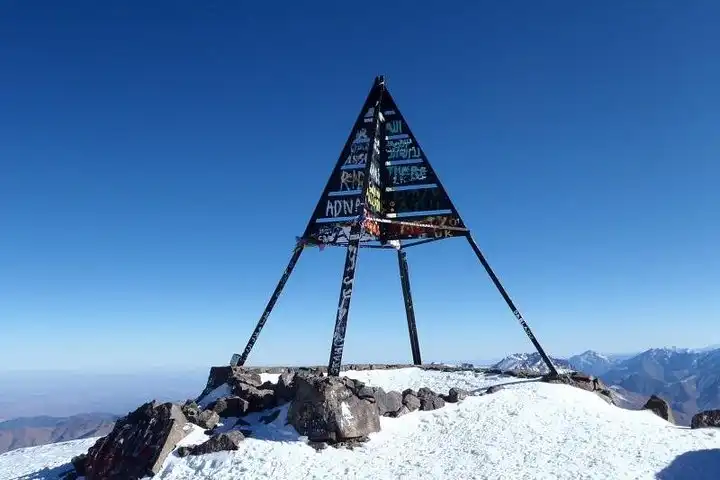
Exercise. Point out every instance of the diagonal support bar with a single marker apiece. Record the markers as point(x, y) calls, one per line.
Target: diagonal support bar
point(512, 306)
point(239, 360)
point(409, 309)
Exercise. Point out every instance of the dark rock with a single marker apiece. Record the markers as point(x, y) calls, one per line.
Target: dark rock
point(388, 403)
point(327, 409)
point(411, 400)
point(232, 376)
point(366, 393)
point(183, 451)
point(456, 395)
point(429, 400)
point(351, 443)
point(285, 388)
point(659, 408)
point(271, 417)
point(258, 399)
point(403, 411)
point(78, 463)
point(246, 432)
point(585, 382)
point(232, 406)
point(138, 444)
point(220, 442)
point(318, 445)
point(207, 419)
point(494, 389)
point(708, 418)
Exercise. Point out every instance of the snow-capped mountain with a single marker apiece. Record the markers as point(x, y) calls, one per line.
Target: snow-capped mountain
point(530, 362)
point(489, 436)
point(592, 363)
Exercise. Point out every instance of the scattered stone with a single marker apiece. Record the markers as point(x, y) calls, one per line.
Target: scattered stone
point(707, 418)
point(351, 443)
point(318, 445)
point(455, 395)
point(183, 451)
point(232, 406)
point(271, 417)
point(220, 442)
point(138, 444)
point(327, 409)
point(411, 400)
point(388, 403)
point(494, 389)
point(585, 382)
point(429, 400)
point(660, 408)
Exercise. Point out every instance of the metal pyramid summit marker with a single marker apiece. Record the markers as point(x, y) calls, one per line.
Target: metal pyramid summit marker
point(383, 193)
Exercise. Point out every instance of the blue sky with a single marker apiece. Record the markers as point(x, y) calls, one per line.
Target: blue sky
point(157, 160)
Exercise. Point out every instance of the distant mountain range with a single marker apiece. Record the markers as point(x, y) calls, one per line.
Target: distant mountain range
point(688, 379)
point(32, 431)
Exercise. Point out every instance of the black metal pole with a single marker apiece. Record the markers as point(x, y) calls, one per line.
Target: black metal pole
point(356, 231)
point(510, 303)
point(346, 291)
point(409, 310)
point(240, 360)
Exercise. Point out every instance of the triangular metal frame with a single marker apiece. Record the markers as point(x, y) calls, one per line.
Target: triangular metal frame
point(383, 193)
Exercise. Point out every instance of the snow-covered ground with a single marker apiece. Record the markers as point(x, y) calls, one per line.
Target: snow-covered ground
point(529, 430)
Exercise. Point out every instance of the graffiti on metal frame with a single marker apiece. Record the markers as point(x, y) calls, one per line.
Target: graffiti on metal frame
point(343, 307)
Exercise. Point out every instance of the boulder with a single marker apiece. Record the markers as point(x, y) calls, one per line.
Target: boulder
point(388, 403)
point(328, 409)
point(206, 419)
point(258, 399)
point(707, 418)
point(410, 400)
point(455, 395)
point(429, 400)
point(138, 444)
point(218, 443)
point(660, 408)
point(230, 376)
point(285, 388)
point(493, 389)
point(232, 406)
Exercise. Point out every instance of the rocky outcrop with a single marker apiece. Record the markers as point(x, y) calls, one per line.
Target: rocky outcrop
point(708, 418)
point(329, 409)
point(660, 408)
point(585, 382)
point(138, 444)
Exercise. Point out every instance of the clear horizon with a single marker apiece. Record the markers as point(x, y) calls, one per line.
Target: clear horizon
point(158, 161)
